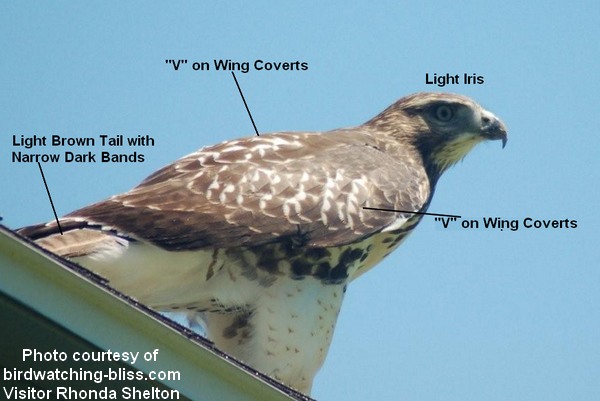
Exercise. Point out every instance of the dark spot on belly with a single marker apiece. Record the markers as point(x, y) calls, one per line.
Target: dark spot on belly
point(350, 256)
point(396, 241)
point(317, 253)
point(339, 273)
point(267, 261)
point(322, 270)
point(239, 327)
point(301, 268)
point(210, 272)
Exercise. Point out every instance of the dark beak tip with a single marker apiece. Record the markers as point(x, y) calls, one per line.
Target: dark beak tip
point(497, 130)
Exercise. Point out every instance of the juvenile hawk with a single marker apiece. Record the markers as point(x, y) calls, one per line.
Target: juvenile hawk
point(262, 235)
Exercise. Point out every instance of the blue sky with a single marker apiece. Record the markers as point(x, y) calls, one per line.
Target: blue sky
point(453, 314)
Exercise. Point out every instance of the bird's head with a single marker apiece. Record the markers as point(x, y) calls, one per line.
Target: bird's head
point(442, 127)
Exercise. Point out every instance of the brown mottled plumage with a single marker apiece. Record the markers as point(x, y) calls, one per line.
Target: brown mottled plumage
point(261, 235)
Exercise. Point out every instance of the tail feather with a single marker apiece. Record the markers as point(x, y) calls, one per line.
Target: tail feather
point(44, 230)
point(78, 238)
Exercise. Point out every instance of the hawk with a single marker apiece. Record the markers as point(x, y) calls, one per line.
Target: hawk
point(262, 235)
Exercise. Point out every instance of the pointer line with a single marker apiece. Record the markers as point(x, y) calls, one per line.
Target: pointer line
point(406, 211)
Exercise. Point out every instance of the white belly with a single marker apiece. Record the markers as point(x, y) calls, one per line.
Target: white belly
point(274, 320)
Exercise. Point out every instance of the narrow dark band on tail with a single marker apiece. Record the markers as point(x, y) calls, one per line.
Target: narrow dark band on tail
point(39, 231)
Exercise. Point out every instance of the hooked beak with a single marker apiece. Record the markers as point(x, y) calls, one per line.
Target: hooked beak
point(492, 128)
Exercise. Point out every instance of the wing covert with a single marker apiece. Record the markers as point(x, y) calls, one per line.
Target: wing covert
point(254, 191)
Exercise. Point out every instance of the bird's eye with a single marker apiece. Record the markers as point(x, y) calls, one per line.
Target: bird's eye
point(444, 113)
